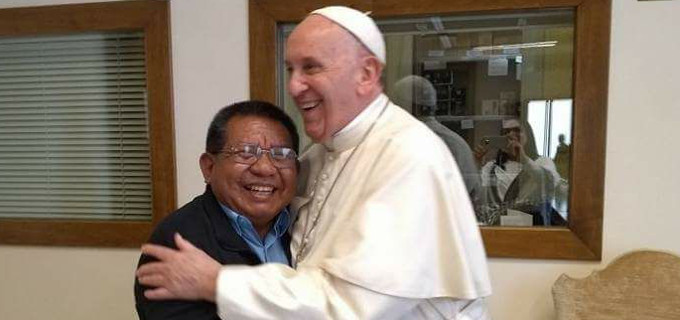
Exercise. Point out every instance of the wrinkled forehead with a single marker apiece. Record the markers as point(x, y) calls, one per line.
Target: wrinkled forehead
point(252, 128)
point(317, 29)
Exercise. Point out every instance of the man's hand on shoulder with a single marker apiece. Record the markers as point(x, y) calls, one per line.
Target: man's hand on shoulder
point(186, 273)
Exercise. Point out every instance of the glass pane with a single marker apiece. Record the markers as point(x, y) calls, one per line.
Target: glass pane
point(498, 90)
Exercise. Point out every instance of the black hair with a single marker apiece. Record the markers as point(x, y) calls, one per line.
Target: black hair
point(217, 130)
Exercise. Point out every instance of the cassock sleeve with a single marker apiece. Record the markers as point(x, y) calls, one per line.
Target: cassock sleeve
point(274, 291)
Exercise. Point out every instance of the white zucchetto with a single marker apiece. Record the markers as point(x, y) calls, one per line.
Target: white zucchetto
point(360, 25)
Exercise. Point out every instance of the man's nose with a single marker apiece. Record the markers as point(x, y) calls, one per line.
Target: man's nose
point(296, 85)
point(263, 166)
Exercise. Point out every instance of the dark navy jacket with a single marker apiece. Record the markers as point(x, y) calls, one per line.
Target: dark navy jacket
point(203, 223)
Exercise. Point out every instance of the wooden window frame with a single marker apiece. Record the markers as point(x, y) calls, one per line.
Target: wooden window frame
point(582, 239)
point(153, 18)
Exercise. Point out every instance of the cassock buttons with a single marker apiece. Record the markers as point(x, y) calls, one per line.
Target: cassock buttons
point(324, 176)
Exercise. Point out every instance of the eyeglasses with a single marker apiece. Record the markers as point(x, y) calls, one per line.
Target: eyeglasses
point(248, 153)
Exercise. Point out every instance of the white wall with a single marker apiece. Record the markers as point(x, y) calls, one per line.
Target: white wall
point(210, 65)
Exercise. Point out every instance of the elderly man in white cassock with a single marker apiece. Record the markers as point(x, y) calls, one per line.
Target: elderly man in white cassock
point(384, 229)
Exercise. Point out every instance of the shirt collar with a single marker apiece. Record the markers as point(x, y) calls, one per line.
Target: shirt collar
point(244, 227)
point(351, 134)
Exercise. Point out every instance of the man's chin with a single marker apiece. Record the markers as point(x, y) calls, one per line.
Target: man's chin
point(265, 213)
point(317, 137)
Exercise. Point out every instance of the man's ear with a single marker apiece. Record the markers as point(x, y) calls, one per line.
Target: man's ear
point(371, 69)
point(207, 164)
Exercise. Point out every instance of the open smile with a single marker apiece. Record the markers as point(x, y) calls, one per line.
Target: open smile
point(308, 106)
point(260, 190)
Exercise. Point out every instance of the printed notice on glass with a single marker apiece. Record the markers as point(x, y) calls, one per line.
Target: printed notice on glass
point(498, 67)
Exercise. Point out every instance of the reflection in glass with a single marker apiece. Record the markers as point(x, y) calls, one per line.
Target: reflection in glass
point(518, 184)
point(552, 118)
point(416, 92)
point(498, 90)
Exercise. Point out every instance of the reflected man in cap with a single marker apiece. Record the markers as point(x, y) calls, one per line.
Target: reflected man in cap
point(384, 227)
point(417, 92)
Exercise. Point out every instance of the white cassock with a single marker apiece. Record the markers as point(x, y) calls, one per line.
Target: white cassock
point(391, 236)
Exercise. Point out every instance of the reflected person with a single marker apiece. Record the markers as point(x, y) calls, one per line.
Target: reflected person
point(562, 155)
point(518, 179)
point(416, 91)
point(250, 170)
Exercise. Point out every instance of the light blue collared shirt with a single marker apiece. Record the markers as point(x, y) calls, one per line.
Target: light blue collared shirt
point(269, 249)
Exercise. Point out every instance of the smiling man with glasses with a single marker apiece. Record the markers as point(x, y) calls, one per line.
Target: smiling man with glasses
point(250, 167)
